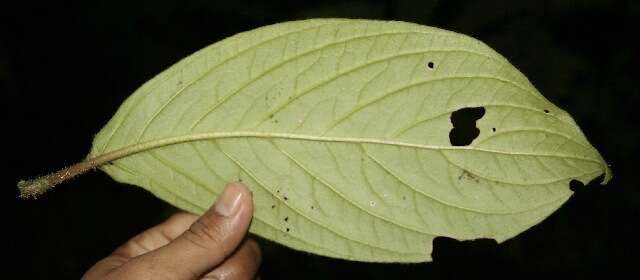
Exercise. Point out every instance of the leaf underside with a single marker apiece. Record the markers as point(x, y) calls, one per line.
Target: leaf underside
point(341, 130)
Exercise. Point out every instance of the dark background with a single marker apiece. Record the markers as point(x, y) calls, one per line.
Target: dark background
point(66, 66)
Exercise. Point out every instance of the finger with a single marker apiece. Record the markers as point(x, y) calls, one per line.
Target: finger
point(243, 264)
point(151, 239)
point(206, 243)
point(157, 236)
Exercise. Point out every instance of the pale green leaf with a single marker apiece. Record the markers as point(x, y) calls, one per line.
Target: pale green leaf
point(341, 130)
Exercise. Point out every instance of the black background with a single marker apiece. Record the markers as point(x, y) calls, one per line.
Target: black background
point(66, 66)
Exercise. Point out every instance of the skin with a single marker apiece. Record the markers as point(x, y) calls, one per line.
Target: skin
point(213, 246)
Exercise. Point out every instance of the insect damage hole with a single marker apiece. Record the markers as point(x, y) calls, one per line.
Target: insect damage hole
point(431, 66)
point(575, 185)
point(464, 129)
point(579, 187)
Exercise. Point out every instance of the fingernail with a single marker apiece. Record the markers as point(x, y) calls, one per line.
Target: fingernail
point(228, 203)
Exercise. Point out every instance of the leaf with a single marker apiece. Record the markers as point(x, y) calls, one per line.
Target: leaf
point(341, 130)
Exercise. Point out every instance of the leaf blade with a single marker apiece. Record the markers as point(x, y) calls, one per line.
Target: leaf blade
point(351, 146)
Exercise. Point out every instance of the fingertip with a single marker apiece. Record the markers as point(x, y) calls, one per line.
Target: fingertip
point(234, 199)
point(241, 192)
point(240, 187)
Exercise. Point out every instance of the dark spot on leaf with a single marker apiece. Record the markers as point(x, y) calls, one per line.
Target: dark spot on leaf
point(271, 116)
point(240, 180)
point(179, 82)
point(276, 121)
point(278, 191)
point(286, 219)
point(493, 129)
point(430, 65)
point(312, 207)
point(285, 198)
point(464, 125)
point(287, 229)
point(273, 206)
point(466, 175)
point(546, 111)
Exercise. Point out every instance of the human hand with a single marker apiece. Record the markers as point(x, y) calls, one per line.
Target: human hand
point(187, 247)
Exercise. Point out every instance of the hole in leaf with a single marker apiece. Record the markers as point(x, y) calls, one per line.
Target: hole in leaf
point(578, 187)
point(575, 185)
point(430, 65)
point(464, 125)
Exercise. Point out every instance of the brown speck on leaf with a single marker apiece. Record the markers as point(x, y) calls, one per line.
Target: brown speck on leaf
point(286, 219)
point(468, 176)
